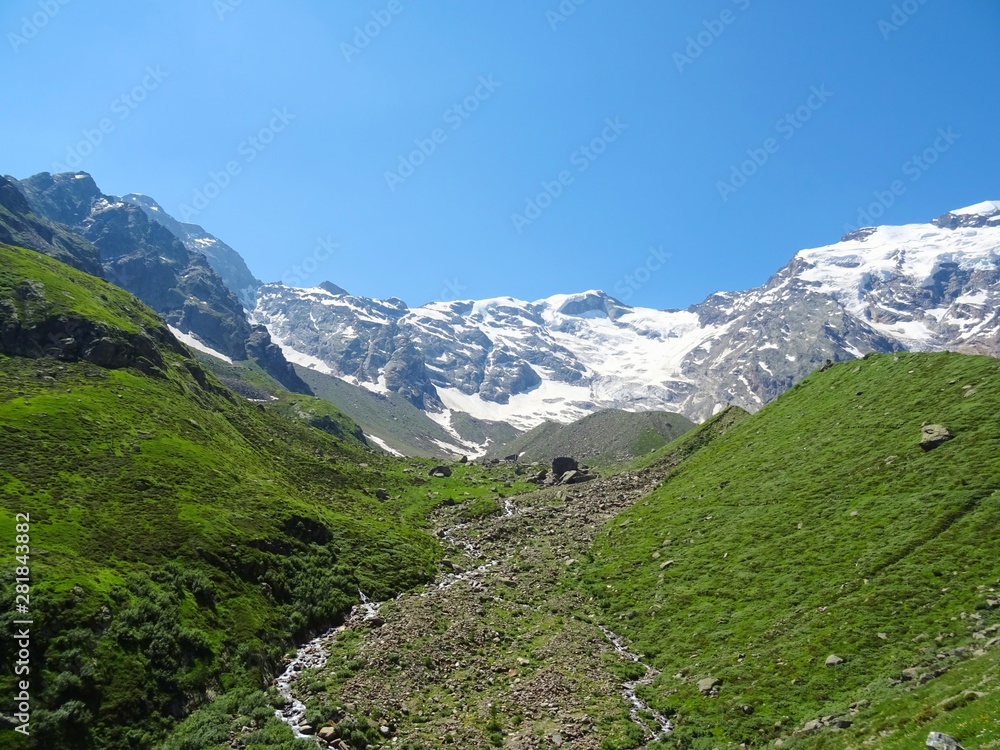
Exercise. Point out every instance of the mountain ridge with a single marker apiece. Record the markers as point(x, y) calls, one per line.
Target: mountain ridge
point(921, 287)
point(66, 216)
point(882, 289)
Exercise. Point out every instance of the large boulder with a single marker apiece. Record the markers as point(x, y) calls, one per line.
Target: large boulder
point(327, 734)
point(708, 684)
point(938, 741)
point(440, 472)
point(933, 435)
point(562, 465)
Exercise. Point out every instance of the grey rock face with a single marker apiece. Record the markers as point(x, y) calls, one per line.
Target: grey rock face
point(21, 226)
point(225, 261)
point(144, 258)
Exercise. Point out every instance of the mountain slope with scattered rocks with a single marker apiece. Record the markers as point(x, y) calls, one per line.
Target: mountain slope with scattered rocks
point(605, 437)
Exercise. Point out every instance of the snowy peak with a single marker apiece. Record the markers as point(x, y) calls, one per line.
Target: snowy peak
point(986, 208)
point(586, 305)
point(920, 286)
point(982, 214)
point(336, 291)
point(914, 283)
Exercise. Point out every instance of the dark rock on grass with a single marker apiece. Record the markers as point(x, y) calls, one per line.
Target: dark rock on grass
point(440, 472)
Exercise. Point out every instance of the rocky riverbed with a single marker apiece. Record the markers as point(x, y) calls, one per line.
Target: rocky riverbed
point(498, 649)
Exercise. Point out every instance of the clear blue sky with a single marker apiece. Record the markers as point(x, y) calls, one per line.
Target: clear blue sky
point(887, 88)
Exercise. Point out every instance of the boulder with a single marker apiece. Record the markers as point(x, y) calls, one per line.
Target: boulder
point(708, 684)
point(933, 435)
point(381, 494)
point(440, 472)
point(327, 734)
point(833, 660)
point(938, 741)
point(563, 464)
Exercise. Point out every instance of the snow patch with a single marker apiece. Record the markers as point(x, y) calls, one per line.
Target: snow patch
point(383, 445)
point(191, 341)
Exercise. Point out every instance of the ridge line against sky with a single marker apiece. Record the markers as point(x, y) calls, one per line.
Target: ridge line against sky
point(481, 150)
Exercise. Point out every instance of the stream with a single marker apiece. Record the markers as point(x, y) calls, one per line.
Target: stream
point(630, 689)
point(314, 653)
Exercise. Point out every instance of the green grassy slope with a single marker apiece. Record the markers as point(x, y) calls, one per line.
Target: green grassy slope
point(181, 537)
point(404, 427)
point(808, 530)
point(605, 437)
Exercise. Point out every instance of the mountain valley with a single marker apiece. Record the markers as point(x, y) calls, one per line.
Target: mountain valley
point(272, 517)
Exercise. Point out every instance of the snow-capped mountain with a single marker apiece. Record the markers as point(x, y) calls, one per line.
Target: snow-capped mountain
point(921, 286)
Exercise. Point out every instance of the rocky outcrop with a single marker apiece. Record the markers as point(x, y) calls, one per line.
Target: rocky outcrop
point(76, 339)
point(144, 258)
point(562, 465)
point(272, 360)
point(21, 227)
point(223, 259)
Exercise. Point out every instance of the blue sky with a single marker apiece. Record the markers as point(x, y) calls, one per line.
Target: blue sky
point(727, 134)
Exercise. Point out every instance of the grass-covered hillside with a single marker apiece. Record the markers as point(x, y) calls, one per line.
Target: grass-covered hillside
point(399, 424)
point(820, 528)
point(605, 437)
point(181, 537)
